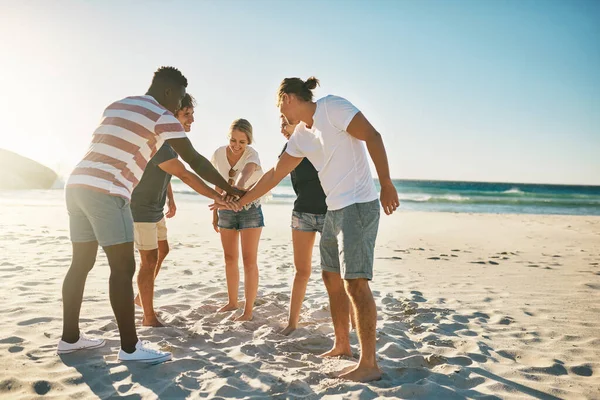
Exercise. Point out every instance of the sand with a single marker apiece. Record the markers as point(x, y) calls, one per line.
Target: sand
point(469, 306)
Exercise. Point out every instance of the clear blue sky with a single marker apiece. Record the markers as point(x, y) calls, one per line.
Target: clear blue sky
point(460, 90)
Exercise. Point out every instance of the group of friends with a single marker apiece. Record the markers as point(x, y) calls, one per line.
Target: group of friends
point(117, 193)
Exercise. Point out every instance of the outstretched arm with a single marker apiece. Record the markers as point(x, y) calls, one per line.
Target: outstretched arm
point(268, 181)
point(176, 168)
point(201, 165)
point(246, 174)
point(362, 129)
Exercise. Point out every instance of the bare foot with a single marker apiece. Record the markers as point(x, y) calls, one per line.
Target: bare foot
point(152, 322)
point(362, 374)
point(244, 317)
point(228, 307)
point(137, 301)
point(336, 352)
point(288, 329)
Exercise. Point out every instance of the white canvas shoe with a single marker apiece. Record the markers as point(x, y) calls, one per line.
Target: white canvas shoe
point(145, 354)
point(82, 344)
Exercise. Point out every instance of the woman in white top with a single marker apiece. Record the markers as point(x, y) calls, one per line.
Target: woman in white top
point(239, 164)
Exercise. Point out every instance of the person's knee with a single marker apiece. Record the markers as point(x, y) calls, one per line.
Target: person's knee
point(249, 260)
point(250, 266)
point(163, 249)
point(357, 287)
point(82, 265)
point(149, 259)
point(303, 273)
point(332, 280)
point(231, 259)
point(124, 268)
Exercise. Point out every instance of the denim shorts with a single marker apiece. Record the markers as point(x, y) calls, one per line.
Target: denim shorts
point(356, 226)
point(244, 219)
point(307, 222)
point(96, 216)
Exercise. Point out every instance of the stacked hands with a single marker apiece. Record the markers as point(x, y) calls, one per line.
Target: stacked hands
point(229, 200)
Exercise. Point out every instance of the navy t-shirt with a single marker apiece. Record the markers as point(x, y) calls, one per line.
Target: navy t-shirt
point(149, 196)
point(307, 186)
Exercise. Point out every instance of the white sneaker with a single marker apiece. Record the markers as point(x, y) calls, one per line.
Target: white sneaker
point(83, 343)
point(145, 354)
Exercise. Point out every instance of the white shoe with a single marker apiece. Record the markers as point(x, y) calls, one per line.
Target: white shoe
point(82, 344)
point(145, 354)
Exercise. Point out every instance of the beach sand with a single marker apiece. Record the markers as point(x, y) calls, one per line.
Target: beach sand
point(469, 306)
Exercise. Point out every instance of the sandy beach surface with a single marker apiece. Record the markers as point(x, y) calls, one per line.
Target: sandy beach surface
point(469, 306)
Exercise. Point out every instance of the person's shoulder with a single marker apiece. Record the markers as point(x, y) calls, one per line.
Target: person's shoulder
point(334, 100)
point(166, 147)
point(220, 151)
point(167, 117)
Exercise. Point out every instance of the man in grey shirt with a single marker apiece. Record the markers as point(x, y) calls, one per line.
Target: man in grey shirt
point(147, 205)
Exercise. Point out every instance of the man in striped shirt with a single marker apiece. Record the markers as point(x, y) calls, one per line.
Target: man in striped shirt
point(98, 193)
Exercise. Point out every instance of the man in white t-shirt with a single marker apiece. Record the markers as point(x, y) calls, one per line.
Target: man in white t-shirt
point(332, 134)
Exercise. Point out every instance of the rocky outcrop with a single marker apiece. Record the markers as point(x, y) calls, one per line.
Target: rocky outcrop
point(18, 172)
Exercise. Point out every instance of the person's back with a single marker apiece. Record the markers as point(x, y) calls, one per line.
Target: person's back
point(130, 133)
point(310, 197)
point(341, 159)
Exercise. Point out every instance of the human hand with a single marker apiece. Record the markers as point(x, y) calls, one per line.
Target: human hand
point(172, 209)
point(389, 198)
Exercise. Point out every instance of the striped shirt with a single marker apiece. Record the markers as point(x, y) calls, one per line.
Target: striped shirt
point(130, 133)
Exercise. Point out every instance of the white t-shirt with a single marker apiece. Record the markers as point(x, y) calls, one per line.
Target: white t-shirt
point(340, 158)
point(220, 162)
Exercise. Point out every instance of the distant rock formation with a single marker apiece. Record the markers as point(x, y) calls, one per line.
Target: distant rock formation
point(18, 172)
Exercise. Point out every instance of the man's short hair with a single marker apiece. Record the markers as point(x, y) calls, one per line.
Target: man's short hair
point(169, 76)
point(187, 102)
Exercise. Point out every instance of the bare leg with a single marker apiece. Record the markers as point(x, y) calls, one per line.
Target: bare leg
point(340, 314)
point(250, 239)
point(163, 250)
point(122, 267)
point(84, 257)
point(230, 242)
point(366, 318)
point(303, 249)
point(145, 282)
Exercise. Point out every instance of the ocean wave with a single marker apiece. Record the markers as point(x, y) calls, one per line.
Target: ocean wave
point(513, 191)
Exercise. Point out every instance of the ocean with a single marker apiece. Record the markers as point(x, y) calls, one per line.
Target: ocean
point(437, 196)
point(474, 197)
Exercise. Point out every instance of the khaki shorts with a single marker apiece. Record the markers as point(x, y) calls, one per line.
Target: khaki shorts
point(148, 234)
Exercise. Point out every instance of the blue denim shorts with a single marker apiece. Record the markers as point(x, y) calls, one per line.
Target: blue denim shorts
point(245, 219)
point(356, 226)
point(307, 222)
point(96, 216)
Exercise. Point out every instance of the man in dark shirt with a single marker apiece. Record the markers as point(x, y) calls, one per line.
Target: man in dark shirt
point(147, 205)
point(307, 219)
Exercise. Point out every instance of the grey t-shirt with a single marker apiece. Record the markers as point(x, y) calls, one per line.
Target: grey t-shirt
point(149, 196)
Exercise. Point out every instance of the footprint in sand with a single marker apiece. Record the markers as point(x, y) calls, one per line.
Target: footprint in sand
point(15, 349)
point(35, 321)
point(42, 387)
point(583, 370)
point(12, 340)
